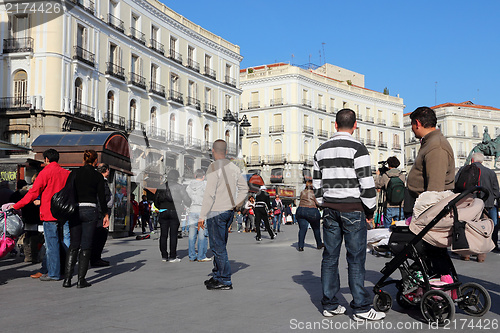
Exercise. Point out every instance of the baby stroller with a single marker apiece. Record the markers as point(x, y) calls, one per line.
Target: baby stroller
point(419, 286)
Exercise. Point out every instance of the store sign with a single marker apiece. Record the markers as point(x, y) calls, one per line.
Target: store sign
point(287, 192)
point(277, 175)
point(271, 192)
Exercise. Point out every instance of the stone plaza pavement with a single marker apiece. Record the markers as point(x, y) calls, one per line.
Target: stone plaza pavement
point(276, 289)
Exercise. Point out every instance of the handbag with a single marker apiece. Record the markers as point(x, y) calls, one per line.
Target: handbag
point(63, 204)
point(277, 211)
point(6, 243)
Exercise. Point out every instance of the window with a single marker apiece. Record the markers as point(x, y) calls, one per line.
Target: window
point(497, 131)
point(111, 103)
point(332, 127)
point(81, 37)
point(133, 110)
point(306, 120)
point(228, 102)
point(321, 125)
point(78, 91)
point(228, 71)
point(206, 134)
point(154, 73)
point(190, 132)
point(226, 136)
point(173, 43)
point(208, 95)
point(19, 26)
point(277, 119)
point(20, 85)
point(255, 150)
point(345, 105)
point(277, 97)
point(192, 89)
point(153, 118)
point(154, 33)
point(113, 8)
point(306, 148)
point(475, 132)
point(254, 120)
point(368, 134)
point(277, 147)
point(134, 23)
point(114, 54)
point(136, 65)
point(332, 105)
point(18, 137)
point(174, 82)
point(208, 61)
point(381, 137)
point(172, 123)
point(190, 54)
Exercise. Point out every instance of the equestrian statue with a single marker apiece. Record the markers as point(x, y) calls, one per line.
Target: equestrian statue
point(488, 147)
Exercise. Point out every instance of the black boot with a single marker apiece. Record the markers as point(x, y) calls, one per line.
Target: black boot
point(83, 266)
point(70, 267)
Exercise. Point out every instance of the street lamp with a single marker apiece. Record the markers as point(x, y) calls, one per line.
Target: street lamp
point(243, 122)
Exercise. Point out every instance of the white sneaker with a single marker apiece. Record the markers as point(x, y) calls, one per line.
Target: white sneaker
point(164, 260)
point(205, 259)
point(175, 260)
point(338, 311)
point(371, 315)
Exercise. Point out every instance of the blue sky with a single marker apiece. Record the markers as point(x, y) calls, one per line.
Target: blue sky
point(406, 46)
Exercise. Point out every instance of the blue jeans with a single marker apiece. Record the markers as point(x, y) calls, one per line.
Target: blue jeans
point(66, 241)
point(56, 239)
point(305, 216)
point(218, 224)
point(493, 213)
point(392, 213)
point(194, 233)
point(277, 221)
point(352, 228)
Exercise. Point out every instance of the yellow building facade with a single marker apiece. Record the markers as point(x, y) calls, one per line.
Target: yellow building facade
point(292, 112)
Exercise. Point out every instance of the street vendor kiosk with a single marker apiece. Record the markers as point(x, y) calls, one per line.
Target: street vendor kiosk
point(113, 149)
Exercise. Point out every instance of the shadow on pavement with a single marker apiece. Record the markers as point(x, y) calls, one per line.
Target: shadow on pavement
point(108, 272)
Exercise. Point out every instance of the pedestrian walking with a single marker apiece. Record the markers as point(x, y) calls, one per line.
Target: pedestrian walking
point(196, 190)
point(250, 214)
point(345, 188)
point(308, 214)
point(277, 213)
point(226, 191)
point(145, 211)
point(170, 202)
point(263, 211)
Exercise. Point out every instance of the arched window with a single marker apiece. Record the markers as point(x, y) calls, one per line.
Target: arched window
point(172, 123)
point(277, 148)
point(226, 136)
point(111, 104)
point(306, 148)
point(207, 134)
point(20, 85)
point(255, 150)
point(190, 132)
point(153, 119)
point(133, 111)
point(78, 91)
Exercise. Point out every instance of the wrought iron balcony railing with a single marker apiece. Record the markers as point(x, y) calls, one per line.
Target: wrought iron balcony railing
point(370, 143)
point(191, 64)
point(84, 56)
point(210, 73)
point(175, 96)
point(175, 138)
point(157, 46)
point(156, 133)
point(194, 102)
point(322, 107)
point(370, 119)
point(86, 5)
point(115, 71)
point(230, 81)
point(396, 146)
point(116, 23)
point(135, 126)
point(306, 102)
point(254, 160)
point(253, 131)
point(253, 105)
point(277, 129)
point(381, 121)
point(210, 109)
point(395, 124)
point(137, 80)
point(359, 117)
point(382, 144)
point(193, 143)
point(137, 35)
point(276, 102)
point(15, 103)
point(308, 130)
point(84, 111)
point(175, 56)
point(306, 159)
point(460, 133)
point(322, 133)
point(157, 89)
point(276, 159)
point(16, 45)
point(114, 121)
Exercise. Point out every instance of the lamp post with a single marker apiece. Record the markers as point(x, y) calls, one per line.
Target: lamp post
point(243, 122)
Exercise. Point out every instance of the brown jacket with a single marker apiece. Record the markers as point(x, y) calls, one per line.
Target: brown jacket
point(308, 199)
point(434, 167)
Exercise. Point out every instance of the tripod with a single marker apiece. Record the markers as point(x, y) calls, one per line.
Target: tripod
point(381, 209)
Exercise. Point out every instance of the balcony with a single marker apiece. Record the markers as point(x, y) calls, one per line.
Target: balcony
point(84, 111)
point(322, 134)
point(382, 144)
point(460, 133)
point(210, 73)
point(206, 147)
point(277, 129)
point(115, 71)
point(396, 146)
point(360, 140)
point(370, 143)
point(135, 126)
point(157, 46)
point(322, 107)
point(475, 134)
point(175, 56)
point(410, 160)
point(306, 102)
point(230, 81)
point(175, 138)
point(114, 121)
point(116, 23)
point(307, 130)
point(157, 89)
point(253, 131)
point(156, 133)
point(276, 159)
point(276, 102)
point(193, 143)
point(461, 154)
point(191, 64)
point(253, 105)
point(334, 110)
point(86, 5)
point(17, 45)
point(210, 109)
point(369, 119)
point(15, 103)
point(194, 102)
point(359, 117)
point(306, 159)
point(253, 160)
point(231, 149)
point(137, 80)
point(175, 96)
point(137, 36)
point(395, 124)
point(84, 56)
point(381, 121)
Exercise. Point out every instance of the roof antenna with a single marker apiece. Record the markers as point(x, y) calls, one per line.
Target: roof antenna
point(324, 57)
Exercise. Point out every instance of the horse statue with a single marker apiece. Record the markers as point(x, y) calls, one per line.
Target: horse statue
point(488, 148)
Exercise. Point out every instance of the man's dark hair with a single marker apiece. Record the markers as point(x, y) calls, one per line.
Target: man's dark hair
point(220, 146)
point(425, 115)
point(102, 168)
point(199, 173)
point(51, 154)
point(345, 119)
point(393, 162)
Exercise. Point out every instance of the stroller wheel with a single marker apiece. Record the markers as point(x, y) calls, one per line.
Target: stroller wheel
point(382, 302)
point(437, 307)
point(404, 302)
point(476, 299)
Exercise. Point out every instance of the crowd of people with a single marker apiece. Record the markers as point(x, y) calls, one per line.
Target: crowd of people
point(342, 196)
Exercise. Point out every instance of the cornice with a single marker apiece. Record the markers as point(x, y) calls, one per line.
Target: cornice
point(179, 26)
point(319, 84)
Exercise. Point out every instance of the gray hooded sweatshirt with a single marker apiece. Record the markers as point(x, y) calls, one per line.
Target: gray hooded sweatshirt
point(195, 190)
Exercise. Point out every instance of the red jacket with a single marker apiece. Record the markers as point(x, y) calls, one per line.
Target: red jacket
point(49, 181)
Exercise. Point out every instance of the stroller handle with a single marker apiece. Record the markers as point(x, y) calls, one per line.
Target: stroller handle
point(469, 191)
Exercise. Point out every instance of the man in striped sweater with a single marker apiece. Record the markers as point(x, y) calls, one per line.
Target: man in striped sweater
point(345, 188)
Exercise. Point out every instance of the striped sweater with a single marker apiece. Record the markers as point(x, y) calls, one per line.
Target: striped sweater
point(342, 176)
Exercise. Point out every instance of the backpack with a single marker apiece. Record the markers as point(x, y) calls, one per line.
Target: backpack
point(469, 177)
point(395, 192)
